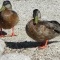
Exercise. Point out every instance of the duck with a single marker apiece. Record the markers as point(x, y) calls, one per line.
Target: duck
point(40, 30)
point(8, 17)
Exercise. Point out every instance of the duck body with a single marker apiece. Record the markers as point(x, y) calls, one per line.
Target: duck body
point(8, 19)
point(44, 30)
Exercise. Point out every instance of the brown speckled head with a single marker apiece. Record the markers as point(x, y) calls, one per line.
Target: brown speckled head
point(7, 4)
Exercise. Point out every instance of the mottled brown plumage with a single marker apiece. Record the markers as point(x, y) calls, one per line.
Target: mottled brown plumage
point(8, 19)
point(41, 31)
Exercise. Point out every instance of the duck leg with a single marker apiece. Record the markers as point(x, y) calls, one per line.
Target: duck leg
point(0, 31)
point(45, 45)
point(13, 34)
point(1, 34)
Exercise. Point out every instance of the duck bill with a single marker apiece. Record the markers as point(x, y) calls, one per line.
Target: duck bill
point(3, 8)
point(36, 20)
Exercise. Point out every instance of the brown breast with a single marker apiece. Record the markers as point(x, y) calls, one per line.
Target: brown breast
point(9, 19)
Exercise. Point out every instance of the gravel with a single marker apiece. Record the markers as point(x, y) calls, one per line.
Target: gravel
point(50, 10)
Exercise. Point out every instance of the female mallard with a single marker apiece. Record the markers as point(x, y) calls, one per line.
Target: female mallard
point(8, 17)
point(42, 31)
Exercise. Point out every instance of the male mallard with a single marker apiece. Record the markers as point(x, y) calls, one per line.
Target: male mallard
point(42, 31)
point(8, 17)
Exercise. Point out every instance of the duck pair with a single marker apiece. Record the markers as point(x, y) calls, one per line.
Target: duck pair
point(39, 30)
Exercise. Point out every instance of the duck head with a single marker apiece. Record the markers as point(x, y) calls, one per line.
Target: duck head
point(6, 5)
point(36, 15)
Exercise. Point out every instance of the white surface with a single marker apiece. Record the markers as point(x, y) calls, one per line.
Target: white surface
point(2, 46)
point(14, 56)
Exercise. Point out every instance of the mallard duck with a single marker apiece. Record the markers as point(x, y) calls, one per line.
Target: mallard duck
point(8, 17)
point(42, 31)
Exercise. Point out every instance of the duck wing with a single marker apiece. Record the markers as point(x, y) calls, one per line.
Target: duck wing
point(53, 25)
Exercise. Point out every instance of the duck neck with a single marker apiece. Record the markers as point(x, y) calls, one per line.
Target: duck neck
point(36, 20)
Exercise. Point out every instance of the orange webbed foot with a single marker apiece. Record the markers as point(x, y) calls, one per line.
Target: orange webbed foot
point(44, 46)
point(12, 34)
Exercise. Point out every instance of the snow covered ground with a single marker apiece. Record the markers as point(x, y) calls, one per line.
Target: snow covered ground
point(50, 10)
